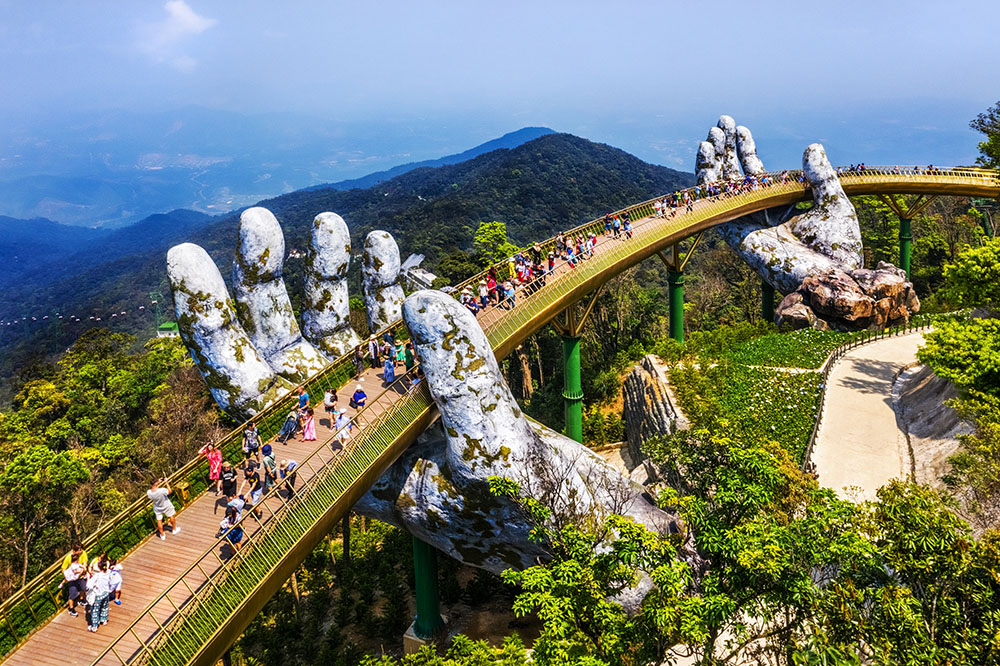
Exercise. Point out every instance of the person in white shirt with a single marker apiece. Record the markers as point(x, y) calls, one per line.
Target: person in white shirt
point(98, 590)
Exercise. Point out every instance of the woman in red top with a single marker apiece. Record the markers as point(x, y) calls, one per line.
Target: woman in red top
point(214, 456)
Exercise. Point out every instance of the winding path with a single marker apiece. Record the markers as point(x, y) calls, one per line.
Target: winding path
point(860, 447)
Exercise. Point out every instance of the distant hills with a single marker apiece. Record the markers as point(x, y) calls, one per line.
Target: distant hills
point(509, 140)
point(539, 187)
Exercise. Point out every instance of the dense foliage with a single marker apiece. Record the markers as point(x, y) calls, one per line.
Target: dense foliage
point(988, 123)
point(85, 435)
point(967, 353)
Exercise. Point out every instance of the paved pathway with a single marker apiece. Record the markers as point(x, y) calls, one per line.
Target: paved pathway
point(859, 441)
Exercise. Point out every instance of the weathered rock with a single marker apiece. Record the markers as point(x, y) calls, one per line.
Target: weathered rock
point(835, 294)
point(439, 489)
point(262, 300)
point(238, 377)
point(849, 301)
point(380, 271)
point(793, 313)
point(649, 409)
point(326, 319)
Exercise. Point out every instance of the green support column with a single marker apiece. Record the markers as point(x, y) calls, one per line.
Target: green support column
point(766, 300)
point(572, 388)
point(676, 294)
point(425, 570)
point(905, 245)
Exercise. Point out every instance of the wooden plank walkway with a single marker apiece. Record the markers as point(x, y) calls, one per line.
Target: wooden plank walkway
point(155, 564)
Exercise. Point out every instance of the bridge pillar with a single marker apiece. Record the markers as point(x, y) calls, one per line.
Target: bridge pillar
point(675, 280)
point(766, 300)
point(428, 621)
point(906, 211)
point(905, 245)
point(572, 387)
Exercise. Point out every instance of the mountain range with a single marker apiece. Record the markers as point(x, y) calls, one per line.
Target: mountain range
point(539, 187)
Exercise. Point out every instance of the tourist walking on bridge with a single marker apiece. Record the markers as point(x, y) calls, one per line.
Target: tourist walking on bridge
point(251, 443)
point(359, 367)
point(287, 472)
point(159, 493)
point(309, 426)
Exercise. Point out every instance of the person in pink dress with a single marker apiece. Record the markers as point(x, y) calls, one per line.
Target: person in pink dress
point(309, 427)
point(214, 456)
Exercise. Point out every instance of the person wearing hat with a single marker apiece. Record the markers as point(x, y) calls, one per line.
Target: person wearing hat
point(359, 397)
point(287, 471)
point(484, 292)
point(373, 351)
point(343, 427)
point(270, 468)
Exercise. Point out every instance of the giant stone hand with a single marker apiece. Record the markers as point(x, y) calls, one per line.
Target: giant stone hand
point(439, 488)
point(814, 257)
point(250, 349)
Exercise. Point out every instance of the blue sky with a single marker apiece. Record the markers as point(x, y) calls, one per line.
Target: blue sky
point(876, 81)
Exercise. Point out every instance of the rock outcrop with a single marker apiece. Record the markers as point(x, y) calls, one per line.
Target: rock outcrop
point(650, 410)
point(786, 247)
point(850, 300)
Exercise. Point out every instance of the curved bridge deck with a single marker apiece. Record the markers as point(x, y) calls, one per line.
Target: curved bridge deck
point(187, 599)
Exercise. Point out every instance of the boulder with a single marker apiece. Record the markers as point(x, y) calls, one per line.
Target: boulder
point(850, 300)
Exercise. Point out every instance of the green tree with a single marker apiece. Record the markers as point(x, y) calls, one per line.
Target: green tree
point(490, 243)
point(988, 123)
point(35, 490)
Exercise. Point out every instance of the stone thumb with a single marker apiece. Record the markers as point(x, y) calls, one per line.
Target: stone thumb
point(485, 427)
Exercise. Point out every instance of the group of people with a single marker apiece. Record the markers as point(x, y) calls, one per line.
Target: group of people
point(388, 354)
point(95, 583)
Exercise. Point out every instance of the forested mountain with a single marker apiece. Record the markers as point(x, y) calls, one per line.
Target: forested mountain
point(509, 140)
point(28, 244)
point(537, 188)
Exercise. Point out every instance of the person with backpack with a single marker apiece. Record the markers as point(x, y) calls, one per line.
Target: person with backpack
point(270, 468)
point(251, 443)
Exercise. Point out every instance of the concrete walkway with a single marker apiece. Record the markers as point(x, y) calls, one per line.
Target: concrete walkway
point(859, 447)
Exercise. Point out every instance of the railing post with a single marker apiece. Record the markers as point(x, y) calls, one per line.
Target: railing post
point(428, 621)
point(766, 300)
point(675, 279)
point(572, 388)
point(905, 245)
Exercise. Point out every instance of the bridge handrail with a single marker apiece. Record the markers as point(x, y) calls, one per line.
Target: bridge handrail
point(36, 602)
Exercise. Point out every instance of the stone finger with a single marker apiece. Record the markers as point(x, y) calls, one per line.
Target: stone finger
point(730, 163)
point(238, 377)
point(326, 320)
point(380, 273)
point(746, 150)
point(262, 299)
point(706, 164)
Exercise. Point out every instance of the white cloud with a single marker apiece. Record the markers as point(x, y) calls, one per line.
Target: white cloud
point(163, 40)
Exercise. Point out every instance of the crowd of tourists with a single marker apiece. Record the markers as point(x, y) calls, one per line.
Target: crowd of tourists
point(95, 584)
